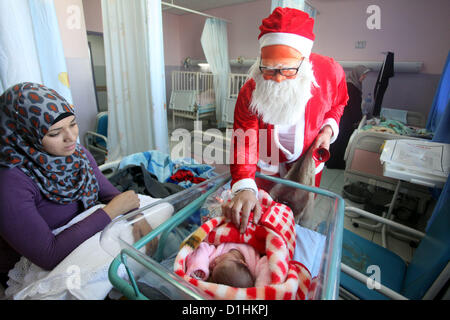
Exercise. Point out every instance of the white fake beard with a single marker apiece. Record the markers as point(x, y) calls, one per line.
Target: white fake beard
point(281, 103)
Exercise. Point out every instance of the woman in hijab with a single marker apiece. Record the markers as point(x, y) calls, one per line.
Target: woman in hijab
point(46, 179)
point(350, 119)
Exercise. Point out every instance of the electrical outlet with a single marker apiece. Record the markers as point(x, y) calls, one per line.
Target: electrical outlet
point(360, 44)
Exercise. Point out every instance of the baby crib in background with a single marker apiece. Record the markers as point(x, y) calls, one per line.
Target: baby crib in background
point(235, 83)
point(192, 95)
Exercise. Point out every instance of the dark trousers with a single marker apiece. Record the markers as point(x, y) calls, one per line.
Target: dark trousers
point(349, 122)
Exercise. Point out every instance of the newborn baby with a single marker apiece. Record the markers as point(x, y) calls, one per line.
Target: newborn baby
point(230, 269)
point(233, 264)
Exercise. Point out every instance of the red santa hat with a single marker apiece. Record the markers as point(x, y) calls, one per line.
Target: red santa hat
point(288, 26)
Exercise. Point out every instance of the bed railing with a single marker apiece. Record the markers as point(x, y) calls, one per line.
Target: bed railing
point(235, 83)
point(192, 95)
point(190, 80)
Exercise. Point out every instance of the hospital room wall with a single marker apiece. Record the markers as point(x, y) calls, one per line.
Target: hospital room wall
point(414, 30)
point(172, 49)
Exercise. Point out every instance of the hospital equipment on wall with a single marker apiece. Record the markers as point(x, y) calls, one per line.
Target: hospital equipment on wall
point(238, 62)
point(327, 220)
point(399, 66)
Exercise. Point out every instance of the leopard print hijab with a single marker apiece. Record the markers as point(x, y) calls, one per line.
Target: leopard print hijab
point(27, 111)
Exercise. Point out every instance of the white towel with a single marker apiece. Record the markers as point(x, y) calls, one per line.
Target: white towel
point(83, 274)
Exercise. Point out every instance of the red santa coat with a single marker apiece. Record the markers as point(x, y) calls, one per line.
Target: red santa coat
point(260, 151)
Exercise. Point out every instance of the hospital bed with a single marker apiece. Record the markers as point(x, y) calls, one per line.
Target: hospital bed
point(235, 83)
point(327, 221)
point(96, 141)
point(362, 163)
point(192, 95)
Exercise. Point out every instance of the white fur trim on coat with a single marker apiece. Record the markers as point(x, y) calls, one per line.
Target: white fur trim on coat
point(333, 124)
point(247, 183)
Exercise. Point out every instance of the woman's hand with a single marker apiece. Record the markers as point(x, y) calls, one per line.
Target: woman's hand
point(239, 207)
point(121, 204)
point(140, 229)
point(323, 138)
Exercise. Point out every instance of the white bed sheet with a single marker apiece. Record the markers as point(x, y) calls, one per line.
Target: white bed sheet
point(83, 274)
point(309, 249)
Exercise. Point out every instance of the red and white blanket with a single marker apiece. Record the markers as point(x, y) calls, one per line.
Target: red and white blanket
point(273, 236)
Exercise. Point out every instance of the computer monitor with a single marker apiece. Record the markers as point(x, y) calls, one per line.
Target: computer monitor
point(386, 72)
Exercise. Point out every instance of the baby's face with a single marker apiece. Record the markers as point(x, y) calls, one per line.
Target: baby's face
point(231, 257)
point(230, 269)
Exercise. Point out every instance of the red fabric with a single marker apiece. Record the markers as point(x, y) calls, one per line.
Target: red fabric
point(318, 177)
point(328, 101)
point(186, 175)
point(288, 20)
point(274, 236)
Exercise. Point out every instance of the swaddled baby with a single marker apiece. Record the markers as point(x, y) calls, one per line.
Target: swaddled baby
point(233, 264)
point(267, 249)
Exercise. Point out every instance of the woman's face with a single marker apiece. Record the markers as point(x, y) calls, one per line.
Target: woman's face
point(362, 77)
point(61, 138)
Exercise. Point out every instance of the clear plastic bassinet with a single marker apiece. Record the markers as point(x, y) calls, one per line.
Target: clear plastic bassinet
point(131, 263)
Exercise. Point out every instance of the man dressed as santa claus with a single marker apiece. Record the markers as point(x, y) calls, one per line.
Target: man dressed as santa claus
point(294, 96)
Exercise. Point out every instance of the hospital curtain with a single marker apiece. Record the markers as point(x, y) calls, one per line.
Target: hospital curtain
point(214, 42)
point(30, 46)
point(439, 123)
point(137, 120)
point(438, 118)
point(296, 4)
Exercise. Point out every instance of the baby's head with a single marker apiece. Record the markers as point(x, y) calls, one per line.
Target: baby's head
point(230, 269)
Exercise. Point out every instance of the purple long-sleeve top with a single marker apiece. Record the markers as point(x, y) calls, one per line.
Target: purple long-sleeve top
point(27, 219)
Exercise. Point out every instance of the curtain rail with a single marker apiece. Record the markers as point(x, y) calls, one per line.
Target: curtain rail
point(192, 11)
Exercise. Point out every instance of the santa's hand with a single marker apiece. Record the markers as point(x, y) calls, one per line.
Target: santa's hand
point(323, 138)
point(239, 207)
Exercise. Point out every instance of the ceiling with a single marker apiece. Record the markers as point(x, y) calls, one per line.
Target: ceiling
point(199, 5)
